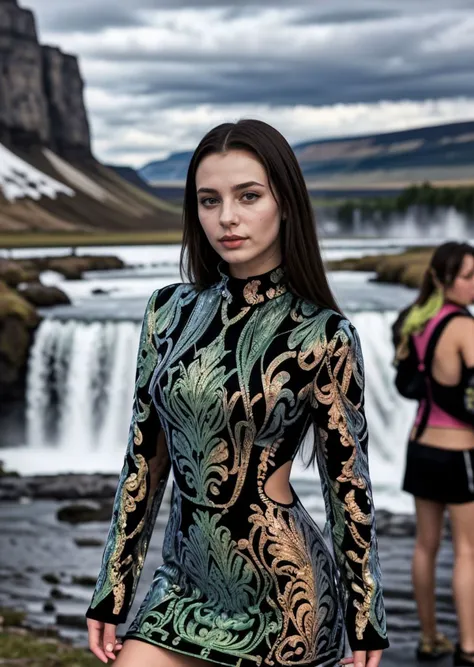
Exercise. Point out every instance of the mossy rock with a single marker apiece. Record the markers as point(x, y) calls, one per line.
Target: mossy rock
point(12, 273)
point(7, 473)
point(85, 512)
point(18, 319)
point(73, 267)
point(12, 304)
point(406, 268)
point(368, 263)
point(11, 617)
point(44, 296)
point(413, 274)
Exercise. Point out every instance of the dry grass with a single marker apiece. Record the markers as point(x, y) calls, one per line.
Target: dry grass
point(25, 650)
point(74, 239)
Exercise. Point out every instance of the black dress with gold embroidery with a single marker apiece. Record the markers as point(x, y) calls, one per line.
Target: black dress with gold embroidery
point(228, 382)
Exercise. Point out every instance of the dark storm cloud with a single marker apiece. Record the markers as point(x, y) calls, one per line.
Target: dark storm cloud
point(353, 16)
point(85, 17)
point(390, 53)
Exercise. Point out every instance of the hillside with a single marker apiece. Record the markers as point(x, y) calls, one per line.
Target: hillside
point(444, 154)
point(49, 179)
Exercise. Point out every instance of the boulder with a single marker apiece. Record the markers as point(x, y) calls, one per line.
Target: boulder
point(86, 581)
point(58, 487)
point(85, 512)
point(12, 273)
point(88, 542)
point(406, 268)
point(44, 296)
point(71, 620)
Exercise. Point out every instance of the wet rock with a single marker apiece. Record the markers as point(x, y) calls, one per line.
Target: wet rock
point(59, 487)
point(88, 542)
point(72, 267)
point(85, 512)
point(71, 620)
point(12, 273)
point(58, 594)
point(84, 581)
point(44, 296)
point(51, 578)
point(395, 525)
point(7, 473)
point(49, 607)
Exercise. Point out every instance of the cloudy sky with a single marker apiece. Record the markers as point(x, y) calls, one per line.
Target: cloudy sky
point(160, 73)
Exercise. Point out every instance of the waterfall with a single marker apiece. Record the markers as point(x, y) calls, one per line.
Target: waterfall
point(79, 389)
point(80, 385)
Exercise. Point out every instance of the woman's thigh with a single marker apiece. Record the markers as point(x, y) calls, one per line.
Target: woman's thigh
point(429, 523)
point(136, 653)
point(462, 524)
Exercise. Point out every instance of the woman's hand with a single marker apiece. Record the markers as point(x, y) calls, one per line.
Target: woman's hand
point(102, 640)
point(364, 659)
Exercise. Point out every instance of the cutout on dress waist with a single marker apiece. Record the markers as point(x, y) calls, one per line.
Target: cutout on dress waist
point(281, 494)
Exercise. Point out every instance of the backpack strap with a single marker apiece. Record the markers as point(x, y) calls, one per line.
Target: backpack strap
point(425, 367)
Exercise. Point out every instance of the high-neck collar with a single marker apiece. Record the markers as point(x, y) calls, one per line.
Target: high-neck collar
point(253, 290)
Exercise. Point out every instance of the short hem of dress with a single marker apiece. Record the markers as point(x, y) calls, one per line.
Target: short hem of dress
point(152, 642)
point(442, 501)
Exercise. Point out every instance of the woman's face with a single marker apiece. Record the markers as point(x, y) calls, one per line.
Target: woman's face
point(238, 212)
point(462, 290)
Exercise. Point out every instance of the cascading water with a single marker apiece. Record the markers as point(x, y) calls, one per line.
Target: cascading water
point(79, 392)
point(80, 385)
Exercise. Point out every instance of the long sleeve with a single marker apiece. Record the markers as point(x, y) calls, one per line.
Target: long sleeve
point(139, 493)
point(341, 433)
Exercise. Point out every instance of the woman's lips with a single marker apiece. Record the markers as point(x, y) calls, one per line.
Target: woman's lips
point(232, 243)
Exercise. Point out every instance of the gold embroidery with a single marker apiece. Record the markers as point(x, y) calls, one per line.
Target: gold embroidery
point(251, 295)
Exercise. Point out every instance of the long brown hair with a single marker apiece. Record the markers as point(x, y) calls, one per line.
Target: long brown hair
point(299, 243)
point(444, 266)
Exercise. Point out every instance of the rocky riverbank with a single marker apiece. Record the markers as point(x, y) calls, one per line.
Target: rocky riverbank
point(406, 268)
point(50, 556)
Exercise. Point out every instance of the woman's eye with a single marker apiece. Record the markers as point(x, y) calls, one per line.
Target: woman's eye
point(209, 201)
point(250, 196)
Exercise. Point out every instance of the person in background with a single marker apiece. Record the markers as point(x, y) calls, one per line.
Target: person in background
point(439, 330)
point(234, 366)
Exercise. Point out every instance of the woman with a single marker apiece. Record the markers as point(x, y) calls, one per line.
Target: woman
point(440, 458)
point(232, 369)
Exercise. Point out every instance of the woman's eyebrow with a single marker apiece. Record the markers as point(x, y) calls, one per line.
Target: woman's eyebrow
point(240, 186)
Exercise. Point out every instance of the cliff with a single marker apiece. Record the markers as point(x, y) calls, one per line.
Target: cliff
point(49, 179)
point(41, 89)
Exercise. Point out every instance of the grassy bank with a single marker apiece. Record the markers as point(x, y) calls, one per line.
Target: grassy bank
point(73, 239)
point(21, 647)
point(406, 268)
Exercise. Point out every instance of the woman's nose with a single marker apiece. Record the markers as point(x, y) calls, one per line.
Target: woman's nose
point(228, 213)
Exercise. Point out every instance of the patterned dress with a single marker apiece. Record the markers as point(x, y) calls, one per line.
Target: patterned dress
point(228, 382)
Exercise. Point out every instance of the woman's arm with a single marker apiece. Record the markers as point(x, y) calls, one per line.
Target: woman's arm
point(140, 490)
point(341, 431)
point(465, 327)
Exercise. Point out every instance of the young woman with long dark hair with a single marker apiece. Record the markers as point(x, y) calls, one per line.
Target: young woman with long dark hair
point(234, 366)
point(440, 457)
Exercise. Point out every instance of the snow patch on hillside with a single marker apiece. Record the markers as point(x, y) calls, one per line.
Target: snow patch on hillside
point(19, 180)
point(76, 178)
